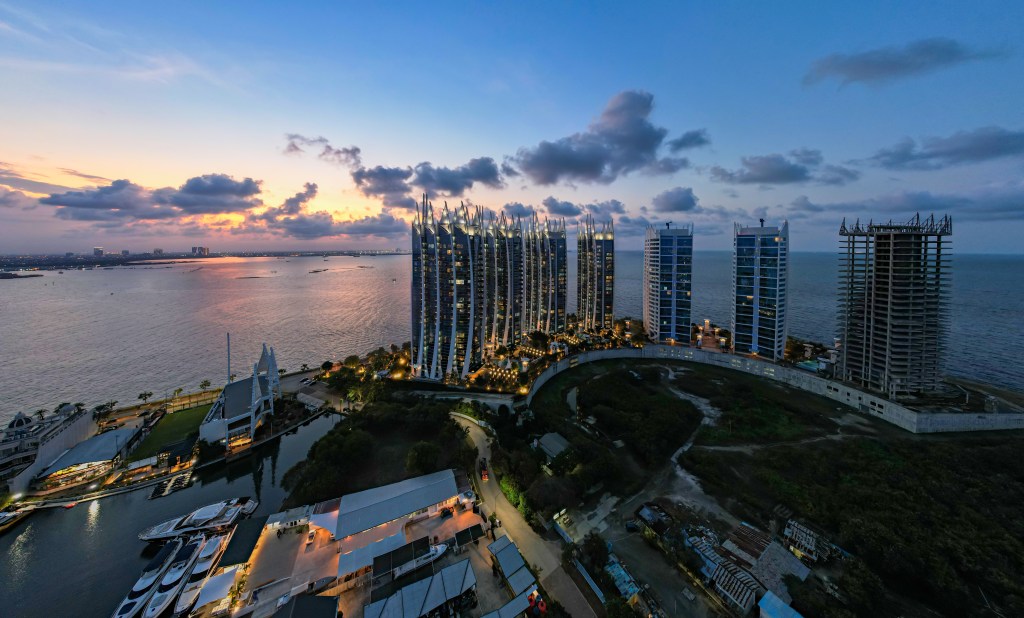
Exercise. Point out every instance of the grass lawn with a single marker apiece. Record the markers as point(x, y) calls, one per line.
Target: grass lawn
point(171, 428)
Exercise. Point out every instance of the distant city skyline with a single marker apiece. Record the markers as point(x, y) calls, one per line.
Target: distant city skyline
point(319, 126)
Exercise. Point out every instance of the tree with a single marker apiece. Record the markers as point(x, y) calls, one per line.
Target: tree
point(326, 366)
point(40, 413)
point(177, 392)
point(205, 384)
point(616, 607)
point(79, 406)
point(60, 406)
point(352, 361)
point(304, 368)
point(144, 396)
point(422, 458)
point(595, 551)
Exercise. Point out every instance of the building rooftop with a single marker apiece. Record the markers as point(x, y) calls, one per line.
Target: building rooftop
point(243, 541)
point(367, 509)
point(553, 444)
point(773, 607)
point(102, 447)
point(422, 597)
point(309, 606)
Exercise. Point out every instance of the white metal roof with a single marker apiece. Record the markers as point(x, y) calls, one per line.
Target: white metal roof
point(422, 597)
point(366, 509)
point(363, 556)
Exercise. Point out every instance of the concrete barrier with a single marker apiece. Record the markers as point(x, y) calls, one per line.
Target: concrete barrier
point(864, 402)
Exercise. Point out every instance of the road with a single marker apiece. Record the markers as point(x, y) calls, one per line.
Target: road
point(540, 553)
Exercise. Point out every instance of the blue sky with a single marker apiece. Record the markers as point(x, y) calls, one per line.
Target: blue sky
point(132, 126)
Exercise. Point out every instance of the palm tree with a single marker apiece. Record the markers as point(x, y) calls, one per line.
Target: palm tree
point(40, 413)
point(205, 384)
point(111, 405)
point(177, 392)
point(144, 396)
point(60, 406)
point(79, 406)
point(304, 368)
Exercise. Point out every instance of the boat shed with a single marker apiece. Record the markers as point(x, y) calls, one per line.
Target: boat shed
point(243, 541)
point(512, 565)
point(91, 458)
point(308, 606)
point(419, 496)
point(423, 597)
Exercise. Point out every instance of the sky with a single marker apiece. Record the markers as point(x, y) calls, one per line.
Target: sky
point(307, 125)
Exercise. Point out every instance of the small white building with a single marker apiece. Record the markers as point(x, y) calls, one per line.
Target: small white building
point(243, 405)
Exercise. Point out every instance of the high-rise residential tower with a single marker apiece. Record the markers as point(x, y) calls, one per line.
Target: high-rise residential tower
point(760, 282)
point(668, 268)
point(893, 317)
point(468, 289)
point(595, 275)
point(545, 276)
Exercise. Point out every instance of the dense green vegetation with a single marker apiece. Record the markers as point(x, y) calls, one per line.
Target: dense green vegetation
point(756, 410)
point(171, 428)
point(938, 519)
point(381, 444)
point(631, 404)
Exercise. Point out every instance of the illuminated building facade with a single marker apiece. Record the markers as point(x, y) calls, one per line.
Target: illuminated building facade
point(595, 278)
point(668, 270)
point(546, 275)
point(760, 266)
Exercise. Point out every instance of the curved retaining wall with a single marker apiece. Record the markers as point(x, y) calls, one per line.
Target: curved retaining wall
point(866, 403)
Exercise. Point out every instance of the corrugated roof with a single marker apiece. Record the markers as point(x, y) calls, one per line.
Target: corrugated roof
point(553, 444)
point(521, 580)
point(309, 606)
point(774, 607)
point(513, 608)
point(422, 597)
point(365, 509)
point(362, 557)
point(102, 447)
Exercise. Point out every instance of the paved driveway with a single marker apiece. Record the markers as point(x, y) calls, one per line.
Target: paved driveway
point(538, 552)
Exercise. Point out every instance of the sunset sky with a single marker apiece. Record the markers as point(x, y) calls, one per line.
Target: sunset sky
point(265, 125)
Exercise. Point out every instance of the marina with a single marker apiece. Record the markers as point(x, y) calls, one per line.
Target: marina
point(212, 517)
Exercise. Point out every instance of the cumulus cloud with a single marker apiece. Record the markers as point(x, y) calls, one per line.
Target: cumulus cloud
point(802, 165)
point(390, 184)
point(125, 201)
point(559, 208)
point(983, 144)
point(455, 181)
point(886, 64)
point(348, 157)
point(10, 198)
point(621, 140)
point(309, 226)
point(291, 206)
point(518, 209)
point(690, 139)
point(996, 203)
point(679, 199)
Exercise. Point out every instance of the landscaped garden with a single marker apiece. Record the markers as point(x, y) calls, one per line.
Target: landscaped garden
point(171, 428)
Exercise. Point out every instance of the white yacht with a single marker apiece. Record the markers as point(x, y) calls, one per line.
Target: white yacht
point(208, 559)
point(436, 551)
point(212, 517)
point(143, 589)
point(175, 577)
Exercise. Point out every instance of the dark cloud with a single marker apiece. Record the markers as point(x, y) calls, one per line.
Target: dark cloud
point(290, 207)
point(72, 172)
point(559, 208)
point(679, 199)
point(604, 211)
point(391, 184)
point(125, 201)
point(802, 165)
point(620, 141)
point(765, 169)
point(348, 157)
point(1001, 203)
point(983, 144)
point(509, 170)
point(15, 199)
point(517, 209)
point(454, 182)
point(690, 139)
point(890, 63)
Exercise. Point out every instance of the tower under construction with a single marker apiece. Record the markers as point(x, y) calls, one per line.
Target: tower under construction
point(893, 315)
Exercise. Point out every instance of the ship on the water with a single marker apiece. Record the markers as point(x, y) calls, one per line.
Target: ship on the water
point(213, 517)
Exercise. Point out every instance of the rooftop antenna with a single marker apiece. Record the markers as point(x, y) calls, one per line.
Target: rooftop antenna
point(668, 225)
point(762, 222)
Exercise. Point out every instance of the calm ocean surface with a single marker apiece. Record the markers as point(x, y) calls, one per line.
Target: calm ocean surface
point(96, 335)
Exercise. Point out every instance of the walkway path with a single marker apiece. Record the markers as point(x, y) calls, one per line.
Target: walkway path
point(547, 555)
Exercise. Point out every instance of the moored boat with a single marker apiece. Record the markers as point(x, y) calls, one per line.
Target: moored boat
point(136, 600)
point(207, 562)
point(175, 578)
point(9, 518)
point(210, 518)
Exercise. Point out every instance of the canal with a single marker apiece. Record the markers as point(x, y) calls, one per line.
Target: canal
point(82, 561)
